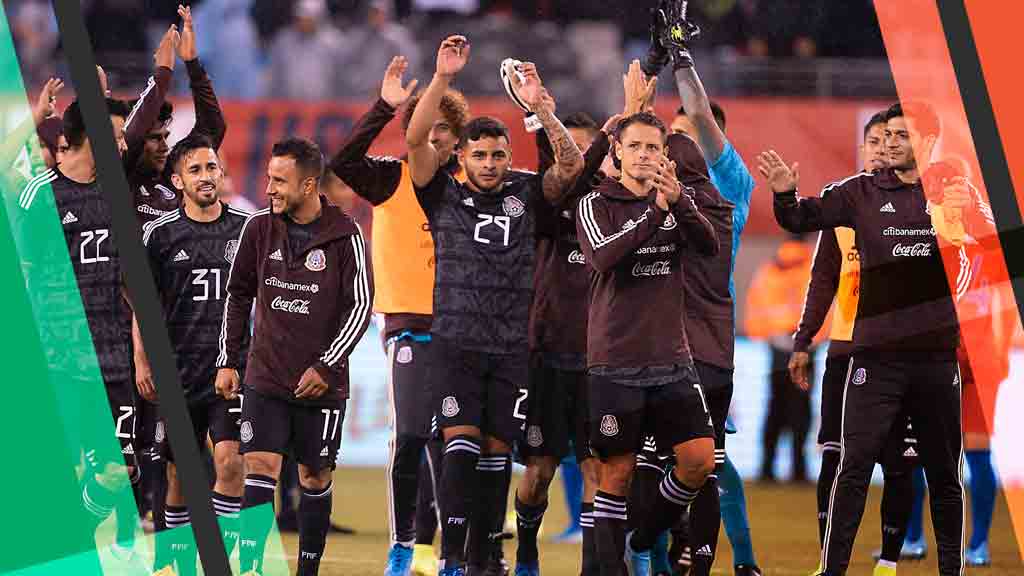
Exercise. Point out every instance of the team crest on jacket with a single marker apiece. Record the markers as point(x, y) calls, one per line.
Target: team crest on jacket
point(246, 432)
point(513, 207)
point(534, 437)
point(158, 433)
point(860, 376)
point(609, 425)
point(167, 192)
point(449, 407)
point(316, 260)
point(230, 249)
point(670, 222)
point(404, 355)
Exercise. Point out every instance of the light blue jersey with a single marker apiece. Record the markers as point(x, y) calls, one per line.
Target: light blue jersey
point(730, 175)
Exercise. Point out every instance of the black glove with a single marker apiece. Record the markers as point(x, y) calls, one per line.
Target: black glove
point(657, 56)
point(676, 32)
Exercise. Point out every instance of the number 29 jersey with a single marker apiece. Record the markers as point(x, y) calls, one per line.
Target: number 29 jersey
point(484, 247)
point(190, 261)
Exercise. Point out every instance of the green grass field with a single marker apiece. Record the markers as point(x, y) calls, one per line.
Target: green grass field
point(782, 522)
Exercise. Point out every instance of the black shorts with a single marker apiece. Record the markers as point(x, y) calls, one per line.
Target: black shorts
point(309, 434)
point(121, 399)
point(557, 413)
point(410, 372)
point(621, 416)
point(717, 385)
point(488, 391)
point(901, 446)
point(218, 418)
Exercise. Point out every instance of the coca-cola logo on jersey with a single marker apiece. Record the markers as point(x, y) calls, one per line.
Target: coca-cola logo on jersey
point(659, 268)
point(577, 257)
point(291, 306)
point(918, 249)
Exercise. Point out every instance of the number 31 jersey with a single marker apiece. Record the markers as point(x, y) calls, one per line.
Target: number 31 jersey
point(190, 261)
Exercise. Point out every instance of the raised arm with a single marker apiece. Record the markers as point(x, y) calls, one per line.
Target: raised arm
point(602, 243)
point(424, 161)
point(147, 108)
point(374, 179)
point(209, 117)
point(698, 110)
point(834, 208)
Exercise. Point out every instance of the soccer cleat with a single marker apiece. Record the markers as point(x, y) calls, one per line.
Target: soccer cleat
point(978, 556)
point(453, 571)
point(424, 563)
point(399, 561)
point(916, 550)
point(527, 570)
point(881, 570)
point(747, 570)
point(637, 563)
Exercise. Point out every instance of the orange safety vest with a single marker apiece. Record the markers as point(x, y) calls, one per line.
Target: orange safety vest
point(848, 292)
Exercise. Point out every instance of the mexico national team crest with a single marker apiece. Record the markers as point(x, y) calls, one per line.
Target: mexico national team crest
point(246, 432)
point(230, 249)
point(609, 425)
point(670, 222)
point(534, 437)
point(316, 260)
point(513, 207)
point(404, 355)
point(449, 407)
point(158, 433)
point(860, 376)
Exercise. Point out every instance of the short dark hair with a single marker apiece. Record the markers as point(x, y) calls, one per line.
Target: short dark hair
point(454, 109)
point(716, 111)
point(580, 120)
point(484, 127)
point(925, 119)
point(645, 118)
point(877, 118)
point(185, 146)
point(308, 158)
point(74, 123)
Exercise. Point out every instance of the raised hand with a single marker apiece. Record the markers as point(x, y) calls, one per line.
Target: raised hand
point(611, 124)
point(638, 88)
point(665, 182)
point(780, 176)
point(530, 88)
point(391, 90)
point(187, 47)
point(452, 56)
point(164, 55)
point(46, 102)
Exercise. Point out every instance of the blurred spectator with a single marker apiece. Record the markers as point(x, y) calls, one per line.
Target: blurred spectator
point(446, 7)
point(368, 48)
point(774, 304)
point(229, 48)
point(784, 28)
point(304, 58)
point(35, 38)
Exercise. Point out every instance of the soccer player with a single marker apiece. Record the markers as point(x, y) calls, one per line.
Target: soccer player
point(484, 244)
point(302, 260)
point(711, 290)
point(640, 373)
point(835, 276)
point(906, 334)
point(403, 267)
point(190, 253)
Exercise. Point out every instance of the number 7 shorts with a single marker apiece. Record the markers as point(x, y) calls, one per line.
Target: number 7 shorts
point(311, 434)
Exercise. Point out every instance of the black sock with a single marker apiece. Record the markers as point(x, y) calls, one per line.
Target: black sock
point(426, 499)
point(457, 494)
point(705, 520)
point(610, 519)
point(227, 509)
point(180, 543)
point(528, 519)
point(489, 513)
point(672, 500)
point(589, 548)
point(255, 525)
point(643, 488)
point(827, 477)
point(314, 522)
point(897, 500)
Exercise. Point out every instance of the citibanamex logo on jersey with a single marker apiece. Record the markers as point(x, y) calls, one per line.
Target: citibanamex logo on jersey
point(860, 376)
point(577, 257)
point(513, 207)
point(449, 407)
point(230, 249)
point(316, 260)
point(918, 249)
point(534, 437)
point(246, 432)
point(609, 425)
point(660, 268)
point(291, 306)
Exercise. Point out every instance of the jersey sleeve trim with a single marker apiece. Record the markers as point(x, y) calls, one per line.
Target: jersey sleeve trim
point(222, 355)
point(33, 186)
point(352, 329)
point(169, 217)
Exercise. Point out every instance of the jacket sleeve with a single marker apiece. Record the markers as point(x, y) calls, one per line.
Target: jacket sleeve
point(605, 246)
point(144, 113)
point(694, 227)
point(836, 207)
point(242, 286)
point(373, 178)
point(824, 283)
point(209, 117)
point(979, 221)
point(356, 298)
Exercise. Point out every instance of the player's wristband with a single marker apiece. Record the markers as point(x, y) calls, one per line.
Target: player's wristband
point(532, 123)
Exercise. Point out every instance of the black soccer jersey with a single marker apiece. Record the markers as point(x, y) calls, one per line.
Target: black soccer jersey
point(190, 261)
point(85, 218)
point(484, 247)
